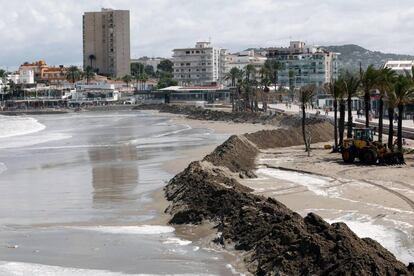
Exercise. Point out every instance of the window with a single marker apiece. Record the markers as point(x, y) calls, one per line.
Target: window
point(187, 52)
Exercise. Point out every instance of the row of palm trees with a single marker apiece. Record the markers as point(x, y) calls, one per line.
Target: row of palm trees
point(74, 74)
point(140, 80)
point(395, 91)
point(252, 84)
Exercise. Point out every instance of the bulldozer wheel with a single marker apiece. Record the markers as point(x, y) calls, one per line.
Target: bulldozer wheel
point(370, 156)
point(348, 156)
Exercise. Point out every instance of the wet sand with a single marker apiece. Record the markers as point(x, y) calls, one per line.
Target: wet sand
point(84, 196)
point(375, 201)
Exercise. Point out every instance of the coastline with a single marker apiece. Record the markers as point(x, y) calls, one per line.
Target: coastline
point(219, 127)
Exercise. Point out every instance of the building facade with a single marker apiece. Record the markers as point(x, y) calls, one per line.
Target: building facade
point(106, 42)
point(400, 66)
point(303, 65)
point(242, 59)
point(201, 65)
point(39, 71)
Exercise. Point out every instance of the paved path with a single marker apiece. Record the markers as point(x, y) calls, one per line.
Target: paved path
point(295, 109)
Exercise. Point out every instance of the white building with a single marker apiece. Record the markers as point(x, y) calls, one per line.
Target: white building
point(242, 59)
point(201, 65)
point(400, 66)
point(26, 76)
point(23, 76)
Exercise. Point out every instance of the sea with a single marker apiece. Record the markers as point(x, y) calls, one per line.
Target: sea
point(76, 192)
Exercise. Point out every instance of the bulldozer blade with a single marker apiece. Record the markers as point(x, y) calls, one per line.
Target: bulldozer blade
point(394, 158)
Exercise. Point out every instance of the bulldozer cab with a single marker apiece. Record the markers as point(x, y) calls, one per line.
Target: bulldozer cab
point(365, 134)
point(362, 137)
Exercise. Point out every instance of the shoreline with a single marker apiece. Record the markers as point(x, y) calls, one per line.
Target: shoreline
point(181, 119)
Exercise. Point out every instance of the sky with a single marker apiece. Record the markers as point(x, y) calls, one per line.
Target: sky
point(52, 29)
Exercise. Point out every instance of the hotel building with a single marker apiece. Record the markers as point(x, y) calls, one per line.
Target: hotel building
point(201, 65)
point(106, 42)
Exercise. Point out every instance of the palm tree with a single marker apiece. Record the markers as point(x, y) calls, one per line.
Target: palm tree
point(73, 74)
point(264, 83)
point(329, 88)
point(392, 104)
point(386, 78)
point(273, 67)
point(144, 79)
point(292, 75)
point(306, 94)
point(351, 85)
point(249, 83)
point(127, 79)
point(404, 93)
point(233, 75)
point(88, 73)
point(91, 60)
point(369, 80)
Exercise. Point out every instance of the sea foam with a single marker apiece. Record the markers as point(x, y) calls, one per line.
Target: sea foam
point(131, 230)
point(18, 125)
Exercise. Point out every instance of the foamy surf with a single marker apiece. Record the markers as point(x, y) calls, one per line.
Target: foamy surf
point(18, 125)
point(317, 184)
point(173, 240)
point(131, 230)
point(20, 269)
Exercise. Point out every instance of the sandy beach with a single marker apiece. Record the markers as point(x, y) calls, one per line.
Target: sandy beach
point(375, 201)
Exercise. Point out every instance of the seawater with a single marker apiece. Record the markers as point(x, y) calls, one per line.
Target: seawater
point(74, 191)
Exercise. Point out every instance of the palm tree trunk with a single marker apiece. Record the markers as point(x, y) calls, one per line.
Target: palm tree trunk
point(399, 133)
point(349, 130)
point(390, 127)
point(341, 122)
point(367, 99)
point(381, 119)
point(335, 104)
point(303, 127)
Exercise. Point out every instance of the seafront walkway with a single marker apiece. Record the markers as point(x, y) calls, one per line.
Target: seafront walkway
point(295, 109)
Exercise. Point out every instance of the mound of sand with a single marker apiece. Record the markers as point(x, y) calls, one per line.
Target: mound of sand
point(277, 241)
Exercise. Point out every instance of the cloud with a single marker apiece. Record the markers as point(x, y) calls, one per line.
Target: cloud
point(52, 30)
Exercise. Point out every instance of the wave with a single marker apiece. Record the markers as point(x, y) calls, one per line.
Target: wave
point(18, 268)
point(18, 125)
point(30, 140)
point(131, 230)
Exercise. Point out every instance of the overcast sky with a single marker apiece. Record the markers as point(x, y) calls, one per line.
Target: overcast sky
point(52, 29)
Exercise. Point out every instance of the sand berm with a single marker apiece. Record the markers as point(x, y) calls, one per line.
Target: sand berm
point(275, 240)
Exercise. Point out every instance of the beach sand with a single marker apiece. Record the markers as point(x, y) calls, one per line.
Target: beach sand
point(375, 201)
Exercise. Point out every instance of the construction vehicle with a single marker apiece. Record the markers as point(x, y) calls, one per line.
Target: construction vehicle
point(368, 151)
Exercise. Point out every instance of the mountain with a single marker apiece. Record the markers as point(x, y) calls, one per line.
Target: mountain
point(351, 55)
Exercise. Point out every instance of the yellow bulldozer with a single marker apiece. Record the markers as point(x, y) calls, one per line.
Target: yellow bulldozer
point(368, 151)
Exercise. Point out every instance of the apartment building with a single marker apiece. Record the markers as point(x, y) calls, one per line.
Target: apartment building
point(242, 59)
point(303, 65)
point(39, 71)
point(400, 66)
point(106, 42)
point(201, 65)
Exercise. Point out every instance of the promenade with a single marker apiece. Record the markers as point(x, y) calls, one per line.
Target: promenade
point(295, 109)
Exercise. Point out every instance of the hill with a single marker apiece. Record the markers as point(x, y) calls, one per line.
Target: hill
point(351, 55)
